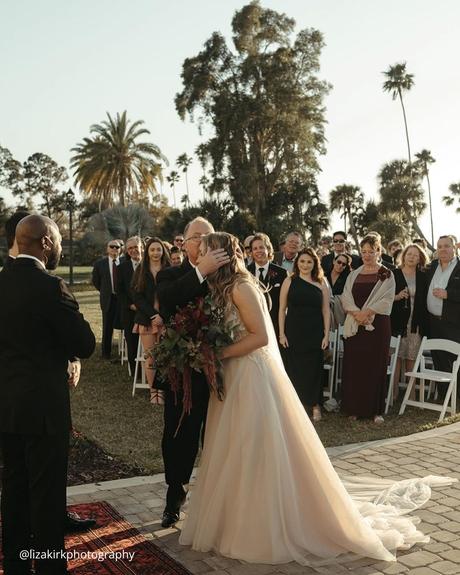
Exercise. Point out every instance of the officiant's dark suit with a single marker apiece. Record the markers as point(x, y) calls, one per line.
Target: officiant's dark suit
point(40, 330)
point(272, 280)
point(103, 281)
point(177, 286)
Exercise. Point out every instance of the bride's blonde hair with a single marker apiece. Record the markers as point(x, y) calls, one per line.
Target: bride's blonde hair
point(222, 282)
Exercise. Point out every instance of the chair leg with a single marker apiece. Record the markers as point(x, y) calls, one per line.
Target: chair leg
point(446, 400)
point(407, 395)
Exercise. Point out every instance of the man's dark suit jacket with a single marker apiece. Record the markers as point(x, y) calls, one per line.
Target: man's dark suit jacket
point(177, 286)
point(8, 262)
point(451, 305)
point(273, 280)
point(40, 330)
point(102, 281)
point(125, 274)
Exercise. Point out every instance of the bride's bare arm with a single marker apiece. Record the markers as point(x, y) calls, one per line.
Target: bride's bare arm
point(247, 300)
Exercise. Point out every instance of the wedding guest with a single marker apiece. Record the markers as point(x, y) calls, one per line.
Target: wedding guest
point(268, 273)
point(126, 303)
point(367, 300)
point(421, 242)
point(291, 247)
point(409, 315)
point(177, 256)
point(443, 300)
point(177, 287)
point(339, 247)
point(10, 233)
point(304, 319)
point(394, 248)
point(247, 250)
point(178, 241)
point(339, 273)
point(104, 279)
point(147, 319)
point(34, 397)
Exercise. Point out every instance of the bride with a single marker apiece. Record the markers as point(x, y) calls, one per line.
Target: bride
point(266, 491)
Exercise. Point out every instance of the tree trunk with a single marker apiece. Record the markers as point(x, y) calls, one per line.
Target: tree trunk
point(405, 126)
point(413, 221)
point(354, 232)
point(430, 205)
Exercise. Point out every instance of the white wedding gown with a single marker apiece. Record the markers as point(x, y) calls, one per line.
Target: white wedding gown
point(266, 491)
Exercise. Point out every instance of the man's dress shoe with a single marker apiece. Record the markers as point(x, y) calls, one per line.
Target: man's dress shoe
point(169, 518)
point(74, 523)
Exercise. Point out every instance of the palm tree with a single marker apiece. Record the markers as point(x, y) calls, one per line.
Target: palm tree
point(173, 178)
point(184, 161)
point(349, 200)
point(398, 82)
point(113, 164)
point(424, 158)
point(402, 195)
point(449, 200)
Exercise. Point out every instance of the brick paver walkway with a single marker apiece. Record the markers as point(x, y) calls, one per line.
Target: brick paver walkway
point(141, 501)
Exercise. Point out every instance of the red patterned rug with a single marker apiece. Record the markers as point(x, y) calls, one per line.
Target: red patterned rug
point(114, 547)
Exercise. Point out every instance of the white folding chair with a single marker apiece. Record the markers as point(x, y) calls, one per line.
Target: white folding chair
point(140, 366)
point(330, 365)
point(120, 342)
point(422, 373)
point(395, 342)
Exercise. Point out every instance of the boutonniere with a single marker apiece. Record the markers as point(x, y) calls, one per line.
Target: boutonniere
point(383, 273)
point(271, 274)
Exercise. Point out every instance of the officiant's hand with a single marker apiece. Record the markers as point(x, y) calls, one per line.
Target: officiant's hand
point(74, 371)
point(212, 261)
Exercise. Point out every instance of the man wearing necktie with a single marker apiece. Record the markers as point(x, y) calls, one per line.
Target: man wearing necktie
point(268, 273)
point(125, 272)
point(105, 274)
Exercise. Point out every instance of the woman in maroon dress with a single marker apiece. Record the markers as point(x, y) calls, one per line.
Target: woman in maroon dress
point(367, 300)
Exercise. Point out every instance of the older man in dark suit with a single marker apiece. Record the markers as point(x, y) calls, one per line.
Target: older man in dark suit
point(270, 274)
point(178, 286)
point(126, 304)
point(105, 272)
point(41, 330)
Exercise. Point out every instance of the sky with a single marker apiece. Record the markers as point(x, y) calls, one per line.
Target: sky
point(65, 64)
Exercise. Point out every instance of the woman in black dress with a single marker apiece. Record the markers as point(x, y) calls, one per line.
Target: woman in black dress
point(147, 320)
point(304, 318)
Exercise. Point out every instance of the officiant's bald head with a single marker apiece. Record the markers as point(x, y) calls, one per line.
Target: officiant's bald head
point(39, 236)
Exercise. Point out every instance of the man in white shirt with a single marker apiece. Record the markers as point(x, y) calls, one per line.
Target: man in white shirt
point(443, 300)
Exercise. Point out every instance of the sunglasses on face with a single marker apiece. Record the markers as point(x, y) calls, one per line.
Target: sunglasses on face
point(178, 240)
point(114, 246)
point(338, 241)
point(343, 264)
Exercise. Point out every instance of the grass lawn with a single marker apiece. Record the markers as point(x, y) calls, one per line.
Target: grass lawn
point(81, 274)
point(130, 428)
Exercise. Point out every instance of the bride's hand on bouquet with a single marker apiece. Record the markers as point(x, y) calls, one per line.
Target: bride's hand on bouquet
point(157, 320)
point(157, 396)
point(283, 341)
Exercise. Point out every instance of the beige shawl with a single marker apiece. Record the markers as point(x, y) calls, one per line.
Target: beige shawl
point(380, 299)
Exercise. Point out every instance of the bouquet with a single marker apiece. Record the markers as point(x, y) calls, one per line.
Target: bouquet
point(192, 340)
